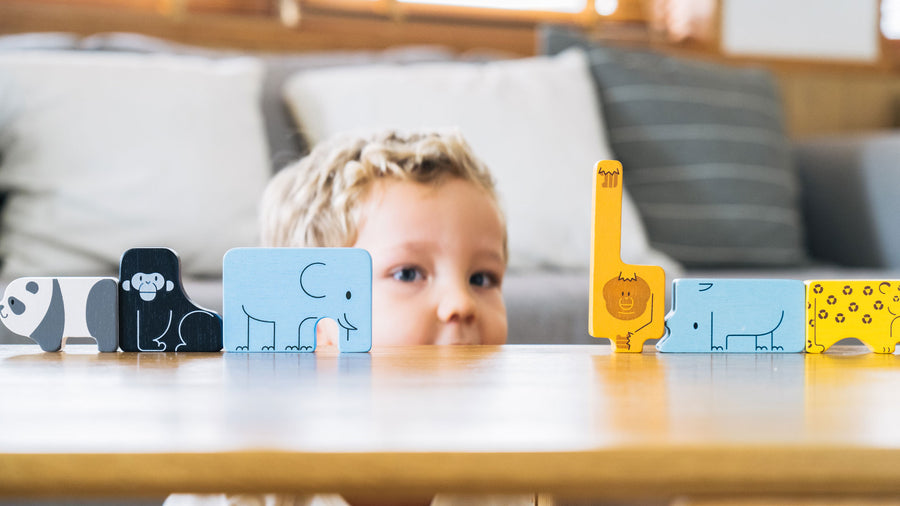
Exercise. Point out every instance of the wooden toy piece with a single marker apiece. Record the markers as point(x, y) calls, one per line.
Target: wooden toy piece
point(154, 312)
point(51, 310)
point(626, 301)
point(275, 298)
point(735, 316)
point(867, 310)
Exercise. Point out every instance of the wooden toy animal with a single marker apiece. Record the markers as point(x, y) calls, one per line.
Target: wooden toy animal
point(275, 297)
point(735, 316)
point(866, 310)
point(154, 312)
point(51, 310)
point(626, 301)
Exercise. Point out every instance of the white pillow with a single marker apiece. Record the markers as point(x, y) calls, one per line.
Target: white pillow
point(105, 151)
point(534, 121)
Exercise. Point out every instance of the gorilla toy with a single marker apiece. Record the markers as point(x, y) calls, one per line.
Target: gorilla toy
point(154, 312)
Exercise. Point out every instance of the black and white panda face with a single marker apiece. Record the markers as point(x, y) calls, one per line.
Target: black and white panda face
point(24, 304)
point(17, 306)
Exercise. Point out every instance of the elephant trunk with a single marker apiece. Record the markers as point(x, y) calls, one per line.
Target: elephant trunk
point(346, 325)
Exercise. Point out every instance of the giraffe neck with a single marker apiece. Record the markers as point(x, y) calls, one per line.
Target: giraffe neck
point(606, 234)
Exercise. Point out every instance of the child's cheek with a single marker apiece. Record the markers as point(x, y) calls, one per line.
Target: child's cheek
point(497, 325)
point(398, 319)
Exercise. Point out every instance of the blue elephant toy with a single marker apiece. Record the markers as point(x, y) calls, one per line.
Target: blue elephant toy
point(736, 315)
point(275, 297)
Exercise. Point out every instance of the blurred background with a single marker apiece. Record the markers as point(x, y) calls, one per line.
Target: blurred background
point(802, 40)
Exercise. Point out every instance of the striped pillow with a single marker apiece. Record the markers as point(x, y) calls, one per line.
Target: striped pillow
point(706, 157)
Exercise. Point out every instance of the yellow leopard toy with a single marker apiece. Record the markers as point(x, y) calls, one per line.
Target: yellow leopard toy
point(866, 310)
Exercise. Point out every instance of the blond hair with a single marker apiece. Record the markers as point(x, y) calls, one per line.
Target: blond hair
point(314, 201)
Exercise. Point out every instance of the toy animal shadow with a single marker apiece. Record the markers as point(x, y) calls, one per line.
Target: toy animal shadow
point(274, 298)
point(154, 312)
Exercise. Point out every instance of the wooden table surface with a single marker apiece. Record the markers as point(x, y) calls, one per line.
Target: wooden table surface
point(571, 420)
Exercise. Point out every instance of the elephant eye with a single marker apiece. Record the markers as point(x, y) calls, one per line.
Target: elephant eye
point(696, 326)
point(348, 294)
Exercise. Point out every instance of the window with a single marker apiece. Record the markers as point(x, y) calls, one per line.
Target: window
point(890, 19)
point(606, 7)
point(531, 5)
point(580, 11)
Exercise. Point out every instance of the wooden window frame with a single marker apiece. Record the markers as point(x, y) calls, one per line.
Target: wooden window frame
point(627, 11)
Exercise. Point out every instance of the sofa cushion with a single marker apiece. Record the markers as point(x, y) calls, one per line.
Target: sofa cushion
point(104, 152)
point(39, 40)
point(285, 143)
point(31, 41)
point(705, 154)
point(533, 121)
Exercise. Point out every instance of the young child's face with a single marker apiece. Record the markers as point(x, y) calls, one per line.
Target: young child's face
point(438, 263)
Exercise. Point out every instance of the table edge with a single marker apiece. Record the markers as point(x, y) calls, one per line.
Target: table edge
point(615, 473)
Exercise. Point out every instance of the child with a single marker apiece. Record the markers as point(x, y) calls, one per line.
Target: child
point(425, 209)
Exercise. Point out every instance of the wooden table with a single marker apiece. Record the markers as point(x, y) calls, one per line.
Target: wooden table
point(564, 420)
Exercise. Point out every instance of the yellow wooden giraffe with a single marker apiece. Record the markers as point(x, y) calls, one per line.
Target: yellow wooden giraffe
point(626, 301)
point(867, 310)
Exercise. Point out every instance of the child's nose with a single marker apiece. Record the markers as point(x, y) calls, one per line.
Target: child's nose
point(457, 305)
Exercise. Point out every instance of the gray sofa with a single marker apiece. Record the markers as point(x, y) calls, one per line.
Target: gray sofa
point(848, 194)
point(851, 216)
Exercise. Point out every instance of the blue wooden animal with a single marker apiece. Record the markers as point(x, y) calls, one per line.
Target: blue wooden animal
point(735, 315)
point(154, 312)
point(51, 310)
point(275, 297)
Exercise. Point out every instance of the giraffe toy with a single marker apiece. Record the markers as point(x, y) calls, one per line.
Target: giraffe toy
point(626, 302)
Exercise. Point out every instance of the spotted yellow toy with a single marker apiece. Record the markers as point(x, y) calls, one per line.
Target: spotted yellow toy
point(626, 301)
point(867, 310)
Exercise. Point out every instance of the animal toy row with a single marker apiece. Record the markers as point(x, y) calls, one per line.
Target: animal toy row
point(724, 315)
point(274, 299)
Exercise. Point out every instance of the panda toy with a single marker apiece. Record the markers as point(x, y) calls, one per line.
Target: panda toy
point(51, 310)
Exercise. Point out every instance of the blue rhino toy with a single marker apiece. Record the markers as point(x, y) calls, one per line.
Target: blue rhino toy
point(735, 316)
point(275, 297)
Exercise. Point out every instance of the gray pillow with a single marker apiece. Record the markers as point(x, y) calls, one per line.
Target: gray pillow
point(705, 155)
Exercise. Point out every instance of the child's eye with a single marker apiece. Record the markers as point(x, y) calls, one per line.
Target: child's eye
point(483, 280)
point(407, 274)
